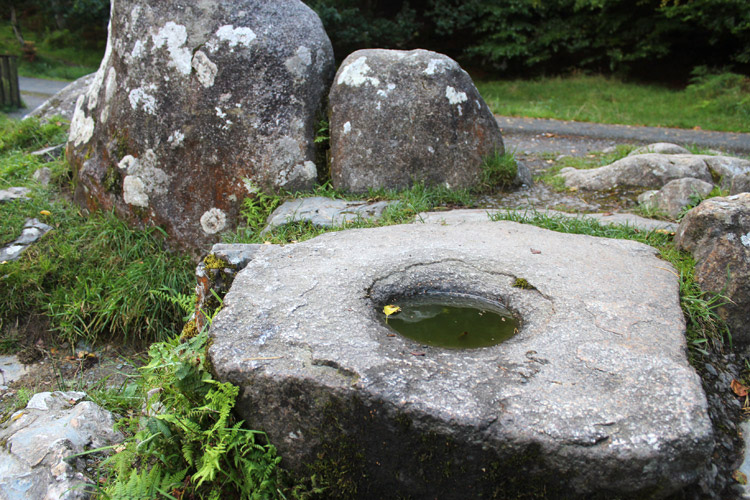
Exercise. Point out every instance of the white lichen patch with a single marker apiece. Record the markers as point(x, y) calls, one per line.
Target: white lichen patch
point(745, 239)
point(111, 85)
point(454, 96)
point(355, 74)
point(249, 186)
point(174, 36)
point(233, 37)
point(140, 98)
point(94, 87)
point(175, 138)
point(153, 180)
point(205, 69)
point(138, 50)
point(437, 66)
point(134, 13)
point(347, 127)
point(126, 162)
point(81, 126)
point(134, 191)
point(301, 173)
point(213, 221)
point(389, 88)
point(299, 63)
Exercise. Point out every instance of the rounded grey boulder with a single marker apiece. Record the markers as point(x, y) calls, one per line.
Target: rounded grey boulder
point(399, 117)
point(197, 105)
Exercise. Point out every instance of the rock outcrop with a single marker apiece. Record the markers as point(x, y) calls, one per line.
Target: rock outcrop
point(717, 233)
point(38, 440)
point(594, 397)
point(196, 106)
point(325, 212)
point(664, 148)
point(676, 195)
point(399, 117)
point(652, 170)
point(648, 170)
point(64, 102)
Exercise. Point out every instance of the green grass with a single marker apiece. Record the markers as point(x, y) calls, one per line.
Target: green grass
point(91, 277)
point(407, 204)
point(704, 326)
point(711, 102)
point(60, 54)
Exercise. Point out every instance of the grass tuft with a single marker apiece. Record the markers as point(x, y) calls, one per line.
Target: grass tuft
point(711, 102)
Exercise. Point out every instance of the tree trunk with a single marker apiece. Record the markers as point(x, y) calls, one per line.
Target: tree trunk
point(16, 27)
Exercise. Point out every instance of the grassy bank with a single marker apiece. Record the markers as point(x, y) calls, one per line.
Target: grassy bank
point(710, 102)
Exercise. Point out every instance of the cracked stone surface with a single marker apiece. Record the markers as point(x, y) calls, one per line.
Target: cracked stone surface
point(594, 396)
point(38, 439)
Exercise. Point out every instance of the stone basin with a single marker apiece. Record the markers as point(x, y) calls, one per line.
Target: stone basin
point(594, 397)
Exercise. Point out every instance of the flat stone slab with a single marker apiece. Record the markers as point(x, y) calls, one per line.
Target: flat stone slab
point(32, 231)
point(11, 369)
point(325, 212)
point(594, 395)
point(463, 216)
point(14, 193)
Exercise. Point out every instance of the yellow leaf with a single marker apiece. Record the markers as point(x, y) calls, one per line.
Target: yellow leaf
point(45, 212)
point(391, 309)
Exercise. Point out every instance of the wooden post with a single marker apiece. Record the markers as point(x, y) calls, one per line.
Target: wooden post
point(10, 93)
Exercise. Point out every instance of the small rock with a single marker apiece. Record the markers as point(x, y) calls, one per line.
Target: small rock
point(664, 148)
point(710, 369)
point(325, 212)
point(14, 193)
point(676, 195)
point(43, 176)
point(39, 439)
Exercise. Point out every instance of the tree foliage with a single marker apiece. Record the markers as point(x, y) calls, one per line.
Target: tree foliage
point(551, 36)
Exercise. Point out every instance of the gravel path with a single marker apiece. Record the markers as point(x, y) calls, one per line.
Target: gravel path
point(724, 141)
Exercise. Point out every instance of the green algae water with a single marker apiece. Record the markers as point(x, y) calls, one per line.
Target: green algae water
point(454, 322)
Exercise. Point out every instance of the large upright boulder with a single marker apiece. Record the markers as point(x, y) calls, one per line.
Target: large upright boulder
point(397, 117)
point(717, 233)
point(195, 106)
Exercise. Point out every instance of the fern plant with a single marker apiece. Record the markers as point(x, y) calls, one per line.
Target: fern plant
point(186, 443)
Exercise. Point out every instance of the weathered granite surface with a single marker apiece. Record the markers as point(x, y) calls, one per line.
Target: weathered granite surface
point(594, 396)
point(676, 195)
point(664, 148)
point(650, 170)
point(325, 212)
point(195, 106)
point(399, 117)
point(717, 233)
point(64, 102)
point(37, 441)
point(462, 216)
